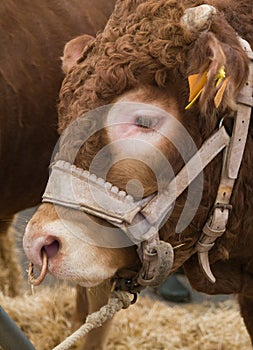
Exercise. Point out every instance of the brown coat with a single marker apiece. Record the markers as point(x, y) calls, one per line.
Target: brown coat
point(32, 37)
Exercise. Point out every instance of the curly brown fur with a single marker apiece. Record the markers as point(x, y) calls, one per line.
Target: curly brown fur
point(144, 43)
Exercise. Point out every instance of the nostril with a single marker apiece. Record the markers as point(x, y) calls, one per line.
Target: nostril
point(51, 249)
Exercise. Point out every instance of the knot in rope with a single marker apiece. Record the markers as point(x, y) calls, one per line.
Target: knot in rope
point(118, 300)
point(122, 297)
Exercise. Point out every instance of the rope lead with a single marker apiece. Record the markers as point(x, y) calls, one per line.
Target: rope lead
point(118, 300)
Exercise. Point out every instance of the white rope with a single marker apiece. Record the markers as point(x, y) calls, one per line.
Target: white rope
point(119, 300)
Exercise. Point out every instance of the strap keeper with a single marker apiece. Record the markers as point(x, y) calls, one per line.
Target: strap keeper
point(204, 247)
point(210, 232)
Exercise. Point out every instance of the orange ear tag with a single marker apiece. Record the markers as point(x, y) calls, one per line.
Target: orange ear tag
point(219, 95)
point(196, 84)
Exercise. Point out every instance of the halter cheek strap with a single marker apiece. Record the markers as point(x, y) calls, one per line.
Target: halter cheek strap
point(216, 223)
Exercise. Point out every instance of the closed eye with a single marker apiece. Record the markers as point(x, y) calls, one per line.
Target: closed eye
point(146, 122)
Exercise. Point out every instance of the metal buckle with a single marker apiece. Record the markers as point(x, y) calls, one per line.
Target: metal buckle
point(223, 206)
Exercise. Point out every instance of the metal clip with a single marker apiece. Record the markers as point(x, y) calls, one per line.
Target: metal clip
point(157, 264)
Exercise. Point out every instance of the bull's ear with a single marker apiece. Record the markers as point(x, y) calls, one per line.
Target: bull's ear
point(217, 65)
point(217, 72)
point(73, 51)
point(210, 78)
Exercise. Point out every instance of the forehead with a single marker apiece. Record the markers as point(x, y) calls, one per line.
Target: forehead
point(152, 100)
point(150, 95)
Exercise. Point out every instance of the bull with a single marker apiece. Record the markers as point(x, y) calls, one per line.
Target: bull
point(152, 170)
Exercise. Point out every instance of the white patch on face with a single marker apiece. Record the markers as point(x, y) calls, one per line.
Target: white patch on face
point(135, 128)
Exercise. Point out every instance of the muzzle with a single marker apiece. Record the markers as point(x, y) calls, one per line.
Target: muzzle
point(140, 220)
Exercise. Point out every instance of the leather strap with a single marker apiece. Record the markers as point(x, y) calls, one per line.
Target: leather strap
point(216, 224)
point(75, 188)
point(159, 207)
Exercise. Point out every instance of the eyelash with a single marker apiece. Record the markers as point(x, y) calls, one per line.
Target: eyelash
point(145, 122)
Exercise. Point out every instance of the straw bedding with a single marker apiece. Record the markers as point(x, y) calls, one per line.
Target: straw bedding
point(149, 324)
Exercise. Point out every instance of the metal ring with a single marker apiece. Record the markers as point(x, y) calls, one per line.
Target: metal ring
point(32, 279)
point(134, 298)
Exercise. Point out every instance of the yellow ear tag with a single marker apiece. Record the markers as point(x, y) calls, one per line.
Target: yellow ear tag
point(196, 84)
point(223, 81)
point(220, 76)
